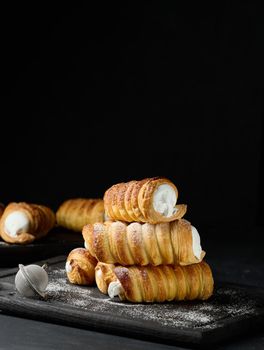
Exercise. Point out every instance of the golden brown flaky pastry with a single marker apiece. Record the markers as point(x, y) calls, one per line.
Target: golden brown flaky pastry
point(141, 244)
point(41, 221)
point(73, 214)
point(104, 275)
point(2, 208)
point(162, 283)
point(80, 267)
point(133, 201)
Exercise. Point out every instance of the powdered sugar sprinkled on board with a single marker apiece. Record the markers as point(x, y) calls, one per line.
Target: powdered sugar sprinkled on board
point(226, 303)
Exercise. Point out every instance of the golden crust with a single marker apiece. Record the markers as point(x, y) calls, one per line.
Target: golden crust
point(165, 283)
point(141, 244)
point(73, 214)
point(104, 275)
point(126, 206)
point(133, 201)
point(82, 265)
point(41, 221)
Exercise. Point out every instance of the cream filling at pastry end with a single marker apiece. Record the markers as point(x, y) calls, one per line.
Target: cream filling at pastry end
point(68, 267)
point(15, 223)
point(196, 243)
point(114, 289)
point(164, 200)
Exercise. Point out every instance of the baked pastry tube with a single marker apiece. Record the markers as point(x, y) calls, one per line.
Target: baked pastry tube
point(73, 214)
point(161, 283)
point(150, 200)
point(80, 267)
point(176, 242)
point(104, 275)
point(22, 223)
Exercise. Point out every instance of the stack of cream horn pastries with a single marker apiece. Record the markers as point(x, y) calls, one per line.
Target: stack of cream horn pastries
point(141, 249)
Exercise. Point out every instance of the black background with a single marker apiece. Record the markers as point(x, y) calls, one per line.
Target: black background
point(97, 94)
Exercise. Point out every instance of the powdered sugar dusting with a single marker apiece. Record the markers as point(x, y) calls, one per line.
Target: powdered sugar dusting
point(226, 303)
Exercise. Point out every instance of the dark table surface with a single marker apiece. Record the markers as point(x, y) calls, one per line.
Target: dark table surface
point(235, 255)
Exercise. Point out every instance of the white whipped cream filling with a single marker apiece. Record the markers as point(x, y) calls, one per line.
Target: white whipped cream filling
point(196, 243)
point(68, 267)
point(15, 223)
point(114, 289)
point(164, 200)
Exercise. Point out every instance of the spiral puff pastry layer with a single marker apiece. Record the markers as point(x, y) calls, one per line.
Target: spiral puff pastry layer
point(151, 200)
point(157, 283)
point(80, 267)
point(142, 244)
point(104, 275)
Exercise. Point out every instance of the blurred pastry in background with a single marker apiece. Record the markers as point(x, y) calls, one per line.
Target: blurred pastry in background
point(23, 223)
point(80, 267)
point(73, 214)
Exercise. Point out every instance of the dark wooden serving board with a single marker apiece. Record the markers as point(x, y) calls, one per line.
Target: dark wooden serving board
point(234, 310)
point(59, 241)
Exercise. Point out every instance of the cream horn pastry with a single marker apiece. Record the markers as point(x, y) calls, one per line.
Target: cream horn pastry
point(150, 200)
point(176, 242)
point(104, 275)
point(80, 267)
point(73, 214)
point(22, 223)
point(2, 208)
point(160, 283)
